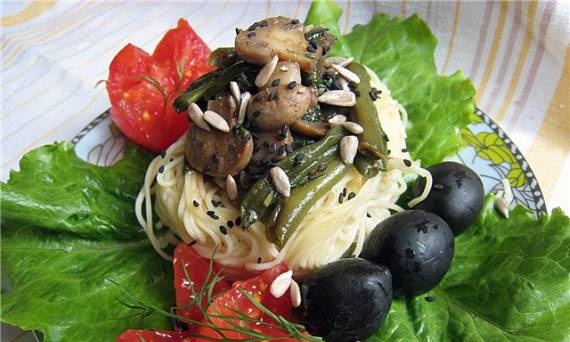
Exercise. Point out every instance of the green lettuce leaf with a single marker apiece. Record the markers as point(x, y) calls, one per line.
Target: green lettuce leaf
point(68, 232)
point(401, 52)
point(509, 281)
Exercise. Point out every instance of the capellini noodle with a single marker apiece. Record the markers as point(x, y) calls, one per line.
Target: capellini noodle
point(184, 201)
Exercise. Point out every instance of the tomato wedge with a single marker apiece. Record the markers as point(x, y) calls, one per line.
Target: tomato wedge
point(191, 272)
point(133, 335)
point(142, 87)
point(234, 300)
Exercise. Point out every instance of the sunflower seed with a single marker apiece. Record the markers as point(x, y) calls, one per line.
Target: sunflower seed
point(347, 74)
point(330, 61)
point(231, 188)
point(234, 89)
point(280, 181)
point(346, 62)
point(295, 294)
point(216, 121)
point(197, 116)
point(265, 74)
point(281, 284)
point(335, 60)
point(341, 98)
point(352, 127)
point(504, 198)
point(245, 97)
point(348, 149)
point(337, 119)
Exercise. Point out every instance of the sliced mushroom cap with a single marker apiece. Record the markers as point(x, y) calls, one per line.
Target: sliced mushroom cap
point(218, 153)
point(275, 107)
point(279, 35)
point(285, 72)
point(271, 146)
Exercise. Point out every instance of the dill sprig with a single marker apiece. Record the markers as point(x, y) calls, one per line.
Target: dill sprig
point(294, 330)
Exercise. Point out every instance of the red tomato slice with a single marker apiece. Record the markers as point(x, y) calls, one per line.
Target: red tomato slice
point(133, 335)
point(142, 87)
point(190, 273)
point(234, 299)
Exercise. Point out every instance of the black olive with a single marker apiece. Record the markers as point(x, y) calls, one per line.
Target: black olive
point(417, 246)
point(456, 196)
point(345, 301)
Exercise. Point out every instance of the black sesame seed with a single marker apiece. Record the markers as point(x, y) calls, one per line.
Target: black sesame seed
point(404, 150)
point(276, 82)
point(340, 198)
point(272, 96)
point(210, 212)
point(344, 191)
point(407, 163)
point(351, 195)
point(292, 84)
point(230, 224)
point(368, 215)
point(171, 160)
point(295, 21)
point(373, 95)
point(388, 151)
point(237, 30)
point(196, 204)
point(238, 221)
point(259, 260)
point(192, 243)
point(216, 203)
point(161, 169)
point(223, 230)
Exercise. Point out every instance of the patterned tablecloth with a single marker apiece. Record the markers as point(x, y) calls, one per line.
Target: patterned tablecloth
point(53, 53)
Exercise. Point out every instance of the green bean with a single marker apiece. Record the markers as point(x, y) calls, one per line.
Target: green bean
point(255, 205)
point(208, 85)
point(365, 113)
point(295, 208)
point(366, 166)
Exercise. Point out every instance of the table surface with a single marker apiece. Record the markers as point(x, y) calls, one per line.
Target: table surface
point(517, 53)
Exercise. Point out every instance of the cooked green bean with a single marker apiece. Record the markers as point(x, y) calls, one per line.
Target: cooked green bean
point(365, 113)
point(295, 208)
point(297, 166)
point(208, 85)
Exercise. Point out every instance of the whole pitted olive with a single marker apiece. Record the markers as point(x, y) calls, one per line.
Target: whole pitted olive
point(345, 301)
point(456, 195)
point(417, 246)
